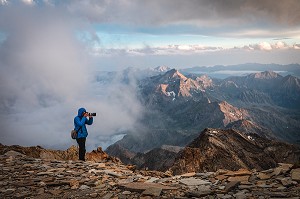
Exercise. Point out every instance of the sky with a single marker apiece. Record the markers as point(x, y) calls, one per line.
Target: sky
point(49, 50)
point(141, 33)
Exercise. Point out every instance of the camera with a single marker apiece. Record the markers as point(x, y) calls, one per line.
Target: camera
point(92, 114)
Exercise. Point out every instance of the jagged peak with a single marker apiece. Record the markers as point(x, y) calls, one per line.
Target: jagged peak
point(203, 138)
point(173, 73)
point(231, 113)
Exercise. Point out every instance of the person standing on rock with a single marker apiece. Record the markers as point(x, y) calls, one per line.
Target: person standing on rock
point(80, 121)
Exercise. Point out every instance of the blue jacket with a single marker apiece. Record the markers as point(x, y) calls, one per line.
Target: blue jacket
point(80, 121)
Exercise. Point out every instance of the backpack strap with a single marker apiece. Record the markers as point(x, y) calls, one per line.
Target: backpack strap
point(79, 129)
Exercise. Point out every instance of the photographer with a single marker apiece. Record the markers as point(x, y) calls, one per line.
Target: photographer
point(80, 121)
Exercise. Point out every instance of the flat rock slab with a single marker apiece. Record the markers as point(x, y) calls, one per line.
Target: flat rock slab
point(240, 172)
point(111, 172)
point(152, 191)
point(296, 174)
point(239, 178)
point(187, 174)
point(194, 182)
point(263, 176)
point(140, 186)
point(199, 193)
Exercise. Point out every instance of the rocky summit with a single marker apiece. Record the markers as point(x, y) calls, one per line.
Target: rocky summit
point(23, 176)
point(230, 149)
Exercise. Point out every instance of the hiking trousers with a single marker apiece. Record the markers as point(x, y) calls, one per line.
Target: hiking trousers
point(81, 143)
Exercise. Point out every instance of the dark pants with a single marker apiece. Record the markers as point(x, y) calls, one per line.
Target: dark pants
point(81, 143)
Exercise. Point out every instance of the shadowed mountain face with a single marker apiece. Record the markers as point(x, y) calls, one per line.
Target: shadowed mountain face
point(178, 106)
point(229, 149)
point(261, 88)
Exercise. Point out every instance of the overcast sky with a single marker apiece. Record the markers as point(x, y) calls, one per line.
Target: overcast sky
point(177, 33)
point(50, 48)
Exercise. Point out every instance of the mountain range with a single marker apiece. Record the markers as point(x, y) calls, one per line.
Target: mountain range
point(199, 137)
point(178, 107)
point(221, 71)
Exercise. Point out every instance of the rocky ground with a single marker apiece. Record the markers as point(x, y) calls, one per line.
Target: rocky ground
point(22, 176)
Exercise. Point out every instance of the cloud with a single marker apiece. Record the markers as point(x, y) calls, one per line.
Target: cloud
point(266, 46)
point(189, 49)
point(177, 11)
point(228, 17)
point(28, 2)
point(46, 75)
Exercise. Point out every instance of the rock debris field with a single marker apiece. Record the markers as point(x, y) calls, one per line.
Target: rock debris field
point(25, 177)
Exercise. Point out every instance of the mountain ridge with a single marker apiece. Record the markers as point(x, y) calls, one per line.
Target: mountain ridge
point(214, 149)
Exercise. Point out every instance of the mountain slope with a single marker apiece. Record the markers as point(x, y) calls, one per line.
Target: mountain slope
point(229, 149)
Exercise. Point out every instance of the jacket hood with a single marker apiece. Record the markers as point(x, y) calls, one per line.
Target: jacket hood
point(81, 111)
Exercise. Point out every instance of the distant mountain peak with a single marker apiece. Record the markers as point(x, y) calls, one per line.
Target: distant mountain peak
point(265, 75)
point(290, 83)
point(162, 68)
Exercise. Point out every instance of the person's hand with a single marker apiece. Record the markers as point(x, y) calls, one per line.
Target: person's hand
point(85, 114)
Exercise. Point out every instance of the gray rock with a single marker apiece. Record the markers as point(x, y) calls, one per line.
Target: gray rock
point(140, 186)
point(152, 191)
point(286, 181)
point(194, 182)
point(14, 154)
point(295, 174)
point(199, 193)
point(108, 196)
point(241, 194)
point(83, 187)
point(126, 192)
point(112, 173)
point(205, 175)
point(152, 179)
point(231, 185)
point(227, 197)
point(94, 195)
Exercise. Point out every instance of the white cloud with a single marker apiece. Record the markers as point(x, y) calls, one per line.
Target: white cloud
point(46, 75)
point(265, 46)
point(280, 45)
point(190, 49)
point(3, 2)
point(28, 2)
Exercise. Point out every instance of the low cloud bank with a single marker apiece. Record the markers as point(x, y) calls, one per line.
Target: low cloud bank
point(45, 76)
